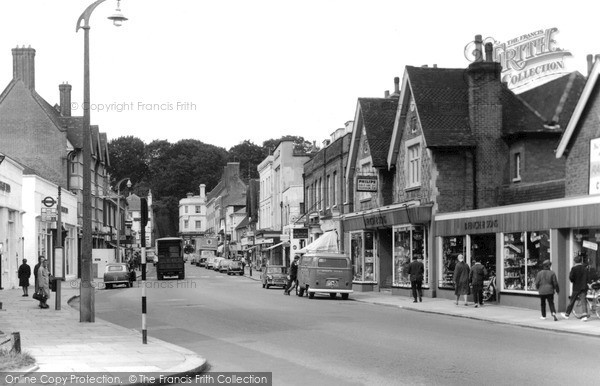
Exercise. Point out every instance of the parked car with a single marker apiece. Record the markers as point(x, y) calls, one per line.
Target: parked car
point(201, 262)
point(274, 275)
point(222, 265)
point(118, 273)
point(210, 262)
point(150, 255)
point(235, 268)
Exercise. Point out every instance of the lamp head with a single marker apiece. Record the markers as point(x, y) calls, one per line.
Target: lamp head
point(129, 183)
point(117, 17)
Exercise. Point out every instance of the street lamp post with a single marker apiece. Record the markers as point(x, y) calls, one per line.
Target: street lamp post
point(86, 290)
point(119, 222)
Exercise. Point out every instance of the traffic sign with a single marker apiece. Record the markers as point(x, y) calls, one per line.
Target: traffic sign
point(48, 201)
point(49, 215)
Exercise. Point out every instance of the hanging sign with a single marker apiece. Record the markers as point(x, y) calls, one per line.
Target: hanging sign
point(366, 184)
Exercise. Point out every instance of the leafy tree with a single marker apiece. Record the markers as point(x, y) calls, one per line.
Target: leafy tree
point(249, 155)
point(127, 160)
point(301, 145)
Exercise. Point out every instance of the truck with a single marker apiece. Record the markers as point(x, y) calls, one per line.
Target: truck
point(169, 253)
point(206, 246)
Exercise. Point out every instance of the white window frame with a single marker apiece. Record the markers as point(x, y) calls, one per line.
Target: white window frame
point(517, 162)
point(413, 163)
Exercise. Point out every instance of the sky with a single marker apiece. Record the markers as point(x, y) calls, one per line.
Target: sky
point(232, 70)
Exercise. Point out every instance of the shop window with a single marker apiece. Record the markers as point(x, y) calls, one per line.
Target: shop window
point(363, 254)
point(452, 246)
point(585, 244)
point(524, 253)
point(409, 243)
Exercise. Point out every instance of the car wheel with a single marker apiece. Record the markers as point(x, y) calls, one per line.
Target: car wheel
point(181, 276)
point(311, 295)
point(159, 276)
point(109, 286)
point(332, 295)
point(345, 296)
point(268, 286)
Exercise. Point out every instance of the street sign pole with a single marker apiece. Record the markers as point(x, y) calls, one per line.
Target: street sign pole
point(59, 256)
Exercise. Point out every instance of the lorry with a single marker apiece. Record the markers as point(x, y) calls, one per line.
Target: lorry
point(206, 246)
point(169, 253)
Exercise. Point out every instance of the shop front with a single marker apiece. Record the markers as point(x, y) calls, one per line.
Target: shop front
point(513, 241)
point(383, 241)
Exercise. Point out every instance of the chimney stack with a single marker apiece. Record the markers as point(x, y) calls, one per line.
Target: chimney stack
point(24, 66)
point(386, 94)
point(478, 53)
point(190, 194)
point(65, 99)
point(397, 85)
point(489, 49)
point(202, 190)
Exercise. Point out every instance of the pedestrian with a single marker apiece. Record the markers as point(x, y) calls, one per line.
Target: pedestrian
point(292, 276)
point(461, 279)
point(35, 272)
point(579, 288)
point(24, 275)
point(547, 285)
point(43, 282)
point(416, 270)
point(476, 276)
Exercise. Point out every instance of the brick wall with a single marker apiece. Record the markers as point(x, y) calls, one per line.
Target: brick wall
point(578, 159)
point(452, 174)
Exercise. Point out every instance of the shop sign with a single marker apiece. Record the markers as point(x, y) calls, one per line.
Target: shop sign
point(481, 224)
point(590, 245)
point(300, 233)
point(366, 184)
point(379, 220)
point(595, 166)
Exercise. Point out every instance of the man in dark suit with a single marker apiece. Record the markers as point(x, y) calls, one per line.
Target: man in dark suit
point(476, 277)
point(416, 270)
point(579, 277)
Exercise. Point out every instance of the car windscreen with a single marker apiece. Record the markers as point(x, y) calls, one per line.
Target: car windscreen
point(332, 263)
point(276, 270)
point(234, 264)
point(115, 268)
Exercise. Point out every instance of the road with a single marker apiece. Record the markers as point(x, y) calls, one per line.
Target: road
point(239, 326)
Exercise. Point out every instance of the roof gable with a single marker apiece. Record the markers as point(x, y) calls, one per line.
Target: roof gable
point(378, 115)
point(578, 110)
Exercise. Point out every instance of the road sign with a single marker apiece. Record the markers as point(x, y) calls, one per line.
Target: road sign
point(49, 215)
point(49, 202)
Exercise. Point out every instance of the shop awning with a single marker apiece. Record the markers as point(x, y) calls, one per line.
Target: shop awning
point(387, 217)
point(284, 243)
point(326, 243)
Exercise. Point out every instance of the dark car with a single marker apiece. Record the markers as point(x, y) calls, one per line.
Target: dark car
point(235, 268)
point(118, 273)
point(274, 275)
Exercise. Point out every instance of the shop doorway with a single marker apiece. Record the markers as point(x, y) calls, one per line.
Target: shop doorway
point(483, 247)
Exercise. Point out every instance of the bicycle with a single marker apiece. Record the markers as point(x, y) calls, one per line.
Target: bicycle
point(489, 292)
point(593, 303)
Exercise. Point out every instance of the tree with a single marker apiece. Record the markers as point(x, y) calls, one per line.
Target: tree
point(249, 155)
point(301, 145)
point(127, 160)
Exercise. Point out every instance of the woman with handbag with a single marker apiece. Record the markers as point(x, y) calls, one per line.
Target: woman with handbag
point(43, 282)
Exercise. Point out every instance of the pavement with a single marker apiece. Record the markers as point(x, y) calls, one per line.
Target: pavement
point(60, 343)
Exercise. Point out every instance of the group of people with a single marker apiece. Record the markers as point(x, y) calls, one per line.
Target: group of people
point(41, 279)
point(467, 280)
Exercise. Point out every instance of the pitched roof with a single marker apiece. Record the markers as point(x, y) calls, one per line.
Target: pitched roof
point(556, 100)
point(378, 118)
point(442, 102)
point(518, 117)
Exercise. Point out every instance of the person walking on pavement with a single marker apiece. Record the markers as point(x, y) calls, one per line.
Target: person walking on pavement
point(476, 276)
point(43, 281)
point(461, 279)
point(293, 275)
point(24, 275)
point(577, 276)
point(416, 270)
point(547, 284)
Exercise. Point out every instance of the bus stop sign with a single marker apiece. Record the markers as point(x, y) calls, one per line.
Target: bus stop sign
point(49, 202)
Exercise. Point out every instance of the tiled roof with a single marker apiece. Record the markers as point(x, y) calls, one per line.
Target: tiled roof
point(556, 100)
point(442, 101)
point(518, 116)
point(243, 223)
point(378, 118)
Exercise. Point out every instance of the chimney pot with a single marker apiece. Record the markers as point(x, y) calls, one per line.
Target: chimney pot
point(397, 85)
point(386, 93)
point(478, 53)
point(489, 49)
point(434, 65)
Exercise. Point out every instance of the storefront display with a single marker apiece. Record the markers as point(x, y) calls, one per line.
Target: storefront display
point(410, 242)
point(363, 254)
point(585, 244)
point(452, 246)
point(523, 255)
